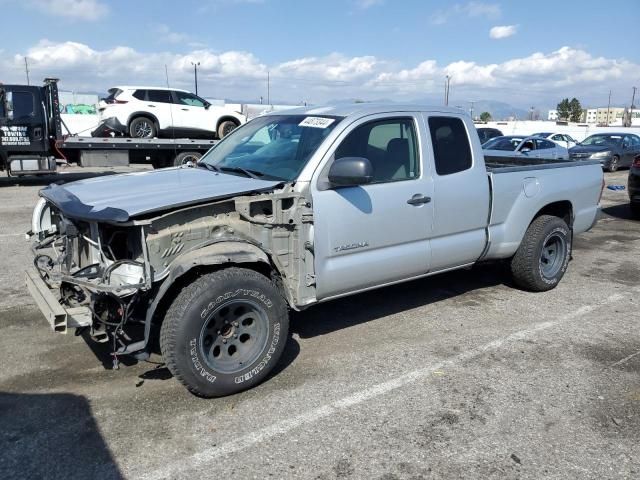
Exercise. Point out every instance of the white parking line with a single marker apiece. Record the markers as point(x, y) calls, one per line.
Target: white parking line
point(173, 468)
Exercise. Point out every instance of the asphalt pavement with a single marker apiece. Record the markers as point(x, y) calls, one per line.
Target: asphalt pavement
point(455, 376)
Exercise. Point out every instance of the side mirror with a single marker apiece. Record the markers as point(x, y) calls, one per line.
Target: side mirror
point(350, 171)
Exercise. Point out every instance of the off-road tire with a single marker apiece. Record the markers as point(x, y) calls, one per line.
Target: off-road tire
point(635, 210)
point(614, 164)
point(527, 265)
point(226, 127)
point(185, 157)
point(191, 315)
point(135, 130)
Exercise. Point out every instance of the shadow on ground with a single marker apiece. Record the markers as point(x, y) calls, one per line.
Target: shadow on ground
point(365, 307)
point(52, 436)
point(622, 211)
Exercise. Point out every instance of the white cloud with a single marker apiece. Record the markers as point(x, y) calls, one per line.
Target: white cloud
point(165, 34)
point(502, 31)
point(365, 4)
point(539, 77)
point(76, 9)
point(470, 9)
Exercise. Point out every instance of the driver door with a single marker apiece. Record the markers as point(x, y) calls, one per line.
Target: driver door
point(370, 235)
point(191, 114)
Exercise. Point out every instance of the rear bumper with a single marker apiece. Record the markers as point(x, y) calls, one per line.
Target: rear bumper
point(59, 317)
point(109, 125)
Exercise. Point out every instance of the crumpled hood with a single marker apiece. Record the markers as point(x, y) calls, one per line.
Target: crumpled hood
point(118, 198)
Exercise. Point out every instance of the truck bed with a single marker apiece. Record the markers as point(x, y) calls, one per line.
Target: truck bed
point(496, 164)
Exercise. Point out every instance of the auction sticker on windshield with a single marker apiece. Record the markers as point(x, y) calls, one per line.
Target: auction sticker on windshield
point(316, 122)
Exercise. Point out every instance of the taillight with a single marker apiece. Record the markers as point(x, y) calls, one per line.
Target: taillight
point(636, 161)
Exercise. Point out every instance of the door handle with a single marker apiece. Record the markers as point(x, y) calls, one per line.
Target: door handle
point(418, 199)
point(152, 106)
point(184, 109)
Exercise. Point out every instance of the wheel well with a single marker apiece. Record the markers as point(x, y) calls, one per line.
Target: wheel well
point(562, 209)
point(150, 116)
point(196, 272)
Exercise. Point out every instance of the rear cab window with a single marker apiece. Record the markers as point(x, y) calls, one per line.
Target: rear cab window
point(451, 148)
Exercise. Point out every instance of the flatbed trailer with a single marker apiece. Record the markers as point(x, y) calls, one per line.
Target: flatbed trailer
point(32, 140)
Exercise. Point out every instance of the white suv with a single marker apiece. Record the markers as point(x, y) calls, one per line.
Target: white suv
point(147, 112)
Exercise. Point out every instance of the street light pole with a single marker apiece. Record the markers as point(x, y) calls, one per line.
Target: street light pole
point(447, 82)
point(195, 74)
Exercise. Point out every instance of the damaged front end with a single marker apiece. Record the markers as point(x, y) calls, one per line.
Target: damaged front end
point(88, 275)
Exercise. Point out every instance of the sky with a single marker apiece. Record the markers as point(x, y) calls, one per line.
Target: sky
point(520, 52)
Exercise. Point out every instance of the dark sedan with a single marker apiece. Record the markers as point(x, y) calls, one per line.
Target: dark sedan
point(486, 134)
point(613, 150)
point(634, 187)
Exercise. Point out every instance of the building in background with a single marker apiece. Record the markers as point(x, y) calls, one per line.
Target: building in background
point(552, 115)
point(609, 116)
point(592, 115)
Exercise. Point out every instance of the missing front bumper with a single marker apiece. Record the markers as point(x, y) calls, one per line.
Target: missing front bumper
point(60, 318)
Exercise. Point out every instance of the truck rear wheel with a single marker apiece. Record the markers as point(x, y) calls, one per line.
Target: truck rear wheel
point(543, 256)
point(225, 332)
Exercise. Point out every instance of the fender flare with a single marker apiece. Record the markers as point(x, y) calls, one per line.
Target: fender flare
point(220, 253)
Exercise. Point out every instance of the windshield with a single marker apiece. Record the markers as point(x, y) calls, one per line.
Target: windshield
point(502, 143)
point(602, 140)
point(271, 147)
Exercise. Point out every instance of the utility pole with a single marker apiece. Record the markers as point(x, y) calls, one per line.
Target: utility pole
point(608, 107)
point(447, 82)
point(26, 69)
point(531, 112)
point(268, 88)
point(633, 99)
point(471, 109)
point(195, 74)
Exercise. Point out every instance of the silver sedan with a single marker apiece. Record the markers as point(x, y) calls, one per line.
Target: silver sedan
point(534, 147)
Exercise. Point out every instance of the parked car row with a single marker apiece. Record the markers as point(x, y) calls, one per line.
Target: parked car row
point(612, 150)
point(148, 112)
point(533, 147)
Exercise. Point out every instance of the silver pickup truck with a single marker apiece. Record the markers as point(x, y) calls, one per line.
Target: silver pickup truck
point(290, 210)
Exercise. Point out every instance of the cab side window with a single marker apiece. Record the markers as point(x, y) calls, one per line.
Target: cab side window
point(451, 149)
point(390, 146)
point(185, 98)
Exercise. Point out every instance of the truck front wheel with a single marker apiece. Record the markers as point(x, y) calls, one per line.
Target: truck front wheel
point(543, 256)
point(225, 332)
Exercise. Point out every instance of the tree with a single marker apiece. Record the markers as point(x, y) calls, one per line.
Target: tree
point(564, 109)
point(485, 117)
point(569, 110)
point(576, 110)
